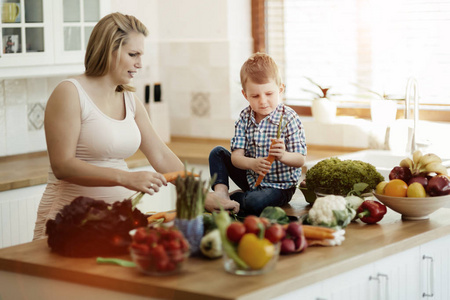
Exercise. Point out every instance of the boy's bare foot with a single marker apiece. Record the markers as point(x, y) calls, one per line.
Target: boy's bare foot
point(215, 200)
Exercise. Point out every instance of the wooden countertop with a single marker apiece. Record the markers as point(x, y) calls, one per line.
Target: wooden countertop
point(31, 169)
point(206, 279)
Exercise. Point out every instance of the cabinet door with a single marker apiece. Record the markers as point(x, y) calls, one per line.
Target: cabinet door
point(18, 212)
point(73, 26)
point(435, 269)
point(398, 276)
point(26, 33)
point(351, 285)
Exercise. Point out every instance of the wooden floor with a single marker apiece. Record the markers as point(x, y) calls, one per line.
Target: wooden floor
point(31, 169)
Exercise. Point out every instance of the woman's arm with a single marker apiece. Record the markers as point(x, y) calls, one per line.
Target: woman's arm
point(157, 152)
point(62, 129)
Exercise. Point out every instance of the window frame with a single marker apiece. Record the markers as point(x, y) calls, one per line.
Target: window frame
point(440, 113)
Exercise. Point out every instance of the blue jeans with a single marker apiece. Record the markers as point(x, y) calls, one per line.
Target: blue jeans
point(252, 202)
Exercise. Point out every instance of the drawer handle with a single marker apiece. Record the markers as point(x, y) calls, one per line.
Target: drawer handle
point(386, 285)
point(430, 283)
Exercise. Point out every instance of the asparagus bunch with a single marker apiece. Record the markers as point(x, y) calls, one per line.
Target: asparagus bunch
point(191, 195)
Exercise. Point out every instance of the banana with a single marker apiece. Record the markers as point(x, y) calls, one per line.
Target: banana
point(416, 157)
point(428, 159)
point(407, 162)
point(437, 168)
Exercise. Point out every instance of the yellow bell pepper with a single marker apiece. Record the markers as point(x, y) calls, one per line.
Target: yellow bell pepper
point(255, 252)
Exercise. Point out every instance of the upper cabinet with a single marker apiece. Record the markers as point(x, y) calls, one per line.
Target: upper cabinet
point(46, 37)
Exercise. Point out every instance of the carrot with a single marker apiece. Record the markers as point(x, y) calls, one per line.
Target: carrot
point(271, 158)
point(166, 216)
point(317, 233)
point(156, 216)
point(171, 176)
point(170, 216)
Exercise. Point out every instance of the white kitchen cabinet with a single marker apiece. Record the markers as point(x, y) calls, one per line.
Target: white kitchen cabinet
point(351, 285)
point(398, 276)
point(394, 277)
point(18, 211)
point(435, 269)
point(48, 37)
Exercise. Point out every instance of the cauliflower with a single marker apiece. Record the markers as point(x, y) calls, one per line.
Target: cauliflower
point(330, 211)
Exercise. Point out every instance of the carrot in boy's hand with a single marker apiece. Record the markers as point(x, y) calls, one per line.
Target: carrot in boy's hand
point(271, 158)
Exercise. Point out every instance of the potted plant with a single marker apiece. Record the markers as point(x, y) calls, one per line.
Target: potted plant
point(383, 110)
point(323, 109)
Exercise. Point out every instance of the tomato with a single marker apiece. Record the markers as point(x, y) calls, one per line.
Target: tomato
point(184, 245)
point(159, 253)
point(275, 233)
point(235, 231)
point(151, 238)
point(265, 222)
point(141, 249)
point(173, 245)
point(177, 256)
point(251, 224)
point(140, 235)
point(174, 234)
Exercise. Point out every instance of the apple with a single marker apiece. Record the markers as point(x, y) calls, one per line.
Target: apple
point(438, 185)
point(420, 179)
point(403, 173)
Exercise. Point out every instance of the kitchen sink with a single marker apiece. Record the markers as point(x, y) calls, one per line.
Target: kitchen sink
point(383, 160)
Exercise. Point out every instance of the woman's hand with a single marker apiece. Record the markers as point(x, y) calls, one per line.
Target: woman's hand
point(145, 181)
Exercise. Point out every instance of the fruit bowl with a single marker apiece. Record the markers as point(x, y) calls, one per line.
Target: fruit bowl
point(414, 208)
point(231, 267)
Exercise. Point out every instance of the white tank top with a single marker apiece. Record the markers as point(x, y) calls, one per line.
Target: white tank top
point(104, 142)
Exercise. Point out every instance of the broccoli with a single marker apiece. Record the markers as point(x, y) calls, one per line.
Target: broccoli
point(338, 176)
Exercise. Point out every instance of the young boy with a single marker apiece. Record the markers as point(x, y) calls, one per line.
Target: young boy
point(254, 131)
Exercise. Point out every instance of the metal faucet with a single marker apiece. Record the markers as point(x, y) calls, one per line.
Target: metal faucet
point(412, 87)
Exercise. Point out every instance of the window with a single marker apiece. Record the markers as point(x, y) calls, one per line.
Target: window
point(354, 46)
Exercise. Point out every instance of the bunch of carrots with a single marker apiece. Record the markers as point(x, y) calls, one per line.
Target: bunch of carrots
point(271, 158)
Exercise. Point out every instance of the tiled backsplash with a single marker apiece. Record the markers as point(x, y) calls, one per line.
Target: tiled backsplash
point(22, 106)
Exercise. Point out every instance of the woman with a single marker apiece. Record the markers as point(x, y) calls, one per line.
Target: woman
point(94, 121)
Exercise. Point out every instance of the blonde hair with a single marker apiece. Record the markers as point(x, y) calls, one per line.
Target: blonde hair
point(260, 68)
point(109, 35)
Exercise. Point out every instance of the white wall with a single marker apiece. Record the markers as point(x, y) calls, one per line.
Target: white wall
point(194, 49)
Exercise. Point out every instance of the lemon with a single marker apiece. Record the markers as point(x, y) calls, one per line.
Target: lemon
point(379, 189)
point(417, 190)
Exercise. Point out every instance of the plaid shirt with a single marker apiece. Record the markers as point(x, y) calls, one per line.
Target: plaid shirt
point(255, 139)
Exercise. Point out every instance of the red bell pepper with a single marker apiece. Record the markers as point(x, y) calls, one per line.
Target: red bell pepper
point(371, 211)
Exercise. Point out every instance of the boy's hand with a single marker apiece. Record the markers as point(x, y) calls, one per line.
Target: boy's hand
point(261, 166)
point(278, 149)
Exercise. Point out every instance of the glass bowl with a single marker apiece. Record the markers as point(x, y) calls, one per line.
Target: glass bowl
point(231, 266)
point(169, 263)
point(414, 208)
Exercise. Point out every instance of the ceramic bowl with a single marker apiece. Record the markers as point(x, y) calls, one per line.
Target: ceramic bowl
point(231, 267)
point(414, 208)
